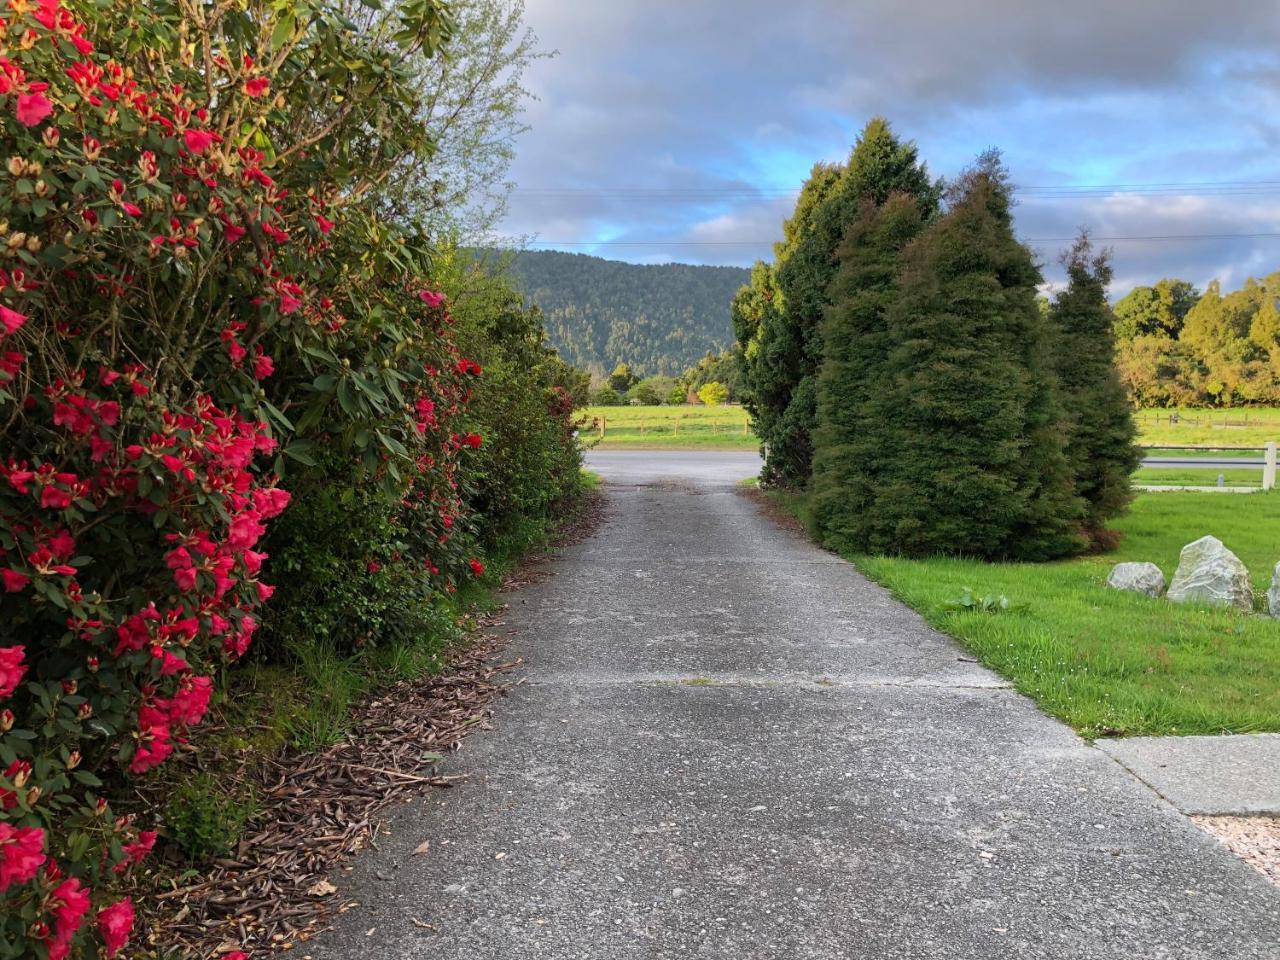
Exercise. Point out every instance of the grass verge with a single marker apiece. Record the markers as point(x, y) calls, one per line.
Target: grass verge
point(683, 427)
point(1110, 663)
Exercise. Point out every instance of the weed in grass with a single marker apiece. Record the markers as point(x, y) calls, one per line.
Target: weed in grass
point(206, 819)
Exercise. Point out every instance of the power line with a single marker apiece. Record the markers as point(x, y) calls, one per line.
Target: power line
point(1133, 238)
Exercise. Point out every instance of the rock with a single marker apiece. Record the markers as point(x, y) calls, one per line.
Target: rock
point(1210, 573)
point(1273, 595)
point(1138, 577)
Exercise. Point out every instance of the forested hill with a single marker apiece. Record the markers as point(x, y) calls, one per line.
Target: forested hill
point(656, 318)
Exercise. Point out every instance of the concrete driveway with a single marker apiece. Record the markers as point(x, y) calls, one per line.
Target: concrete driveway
point(729, 744)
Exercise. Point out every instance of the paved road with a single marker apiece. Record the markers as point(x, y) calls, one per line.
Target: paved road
point(729, 744)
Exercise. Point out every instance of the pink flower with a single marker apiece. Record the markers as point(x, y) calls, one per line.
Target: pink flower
point(324, 225)
point(21, 854)
point(289, 303)
point(373, 566)
point(136, 851)
point(154, 744)
point(14, 580)
point(432, 298)
point(232, 232)
point(115, 923)
point(32, 108)
point(198, 141)
point(256, 86)
point(191, 702)
point(11, 669)
point(132, 209)
point(477, 568)
point(11, 320)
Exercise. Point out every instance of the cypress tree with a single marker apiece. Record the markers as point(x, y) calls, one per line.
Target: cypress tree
point(1100, 435)
point(856, 343)
point(964, 419)
point(790, 350)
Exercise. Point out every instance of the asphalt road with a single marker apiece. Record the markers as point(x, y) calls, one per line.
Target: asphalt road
point(729, 744)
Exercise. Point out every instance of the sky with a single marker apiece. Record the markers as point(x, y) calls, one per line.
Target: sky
point(679, 130)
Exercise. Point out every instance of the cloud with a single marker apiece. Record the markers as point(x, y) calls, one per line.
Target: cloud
point(679, 127)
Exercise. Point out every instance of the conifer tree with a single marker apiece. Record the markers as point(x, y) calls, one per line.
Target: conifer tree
point(965, 419)
point(856, 344)
point(1100, 429)
point(789, 354)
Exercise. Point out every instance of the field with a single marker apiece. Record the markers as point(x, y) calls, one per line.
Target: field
point(691, 426)
point(726, 426)
point(1112, 663)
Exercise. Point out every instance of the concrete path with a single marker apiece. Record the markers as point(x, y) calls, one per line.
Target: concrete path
point(1237, 775)
point(729, 744)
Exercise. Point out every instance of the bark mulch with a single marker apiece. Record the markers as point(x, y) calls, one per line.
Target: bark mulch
point(319, 809)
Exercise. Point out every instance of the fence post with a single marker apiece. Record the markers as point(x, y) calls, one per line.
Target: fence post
point(603, 422)
point(1269, 471)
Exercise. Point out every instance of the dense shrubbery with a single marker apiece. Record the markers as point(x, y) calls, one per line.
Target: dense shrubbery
point(201, 311)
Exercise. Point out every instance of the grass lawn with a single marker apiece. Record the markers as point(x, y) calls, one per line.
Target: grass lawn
point(1191, 477)
point(687, 426)
point(1253, 426)
point(1111, 663)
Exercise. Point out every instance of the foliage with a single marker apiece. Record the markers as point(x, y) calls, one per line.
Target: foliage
point(622, 378)
point(202, 308)
point(713, 394)
point(658, 318)
point(645, 393)
point(472, 99)
point(1098, 417)
point(971, 603)
point(784, 348)
point(725, 367)
point(606, 397)
point(853, 406)
point(676, 395)
point(969, 449)
point(1178, 347)
point(205, 819)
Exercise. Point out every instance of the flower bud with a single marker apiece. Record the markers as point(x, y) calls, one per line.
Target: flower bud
point(34, 244)
point(69, 687)
point(17, 166)
point(32, 796)
point(6, 721)
point(102, 806)
point(73, 759)
point(34, 167)
point(92, 664)
point(21, 777)
point(85, 711)
point(42, 188)
point(51, 137)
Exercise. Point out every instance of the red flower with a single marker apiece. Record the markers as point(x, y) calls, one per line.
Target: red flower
point(54, 498)
point(198, 141)
point(136, 851)
point(432, 298)
point(11, 669)
point(289, 303)
point(154, 744)
point(477, 568)
point(115, 923)
point(11, 320)
point(21, 854)
point(132, 209)
point(70, 903)
point(263, 366)
point(32, 108)
point(324, 225)
point(256, 86)
point(14, 581)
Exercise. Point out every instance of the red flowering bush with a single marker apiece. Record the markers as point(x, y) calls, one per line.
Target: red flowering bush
point(198, 305)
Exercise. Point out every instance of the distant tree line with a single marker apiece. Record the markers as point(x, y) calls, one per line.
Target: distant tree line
point(721, 372)
point(659, 319)
point(900, 369)
point(1178, 347)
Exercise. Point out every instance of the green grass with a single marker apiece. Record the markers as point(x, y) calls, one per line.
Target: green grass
point(1112, 663)
point(687, 426)
point(1253, 426)
point(1193, 477)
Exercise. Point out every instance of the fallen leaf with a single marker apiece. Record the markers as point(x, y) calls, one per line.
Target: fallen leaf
point(422, 849)
point(321, 888)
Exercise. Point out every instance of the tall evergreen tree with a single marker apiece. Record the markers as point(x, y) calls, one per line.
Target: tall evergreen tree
point(790, 351)
point(856, 345)
point(1099, 419)
point(965, 420)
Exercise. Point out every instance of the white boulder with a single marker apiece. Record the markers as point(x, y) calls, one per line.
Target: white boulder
point(1138, 577)
point(1210, 573)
